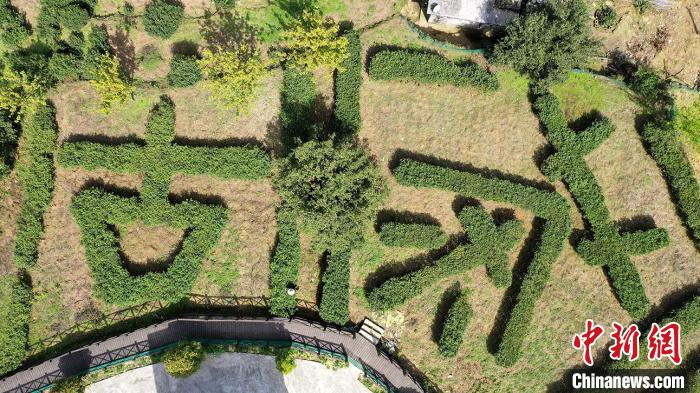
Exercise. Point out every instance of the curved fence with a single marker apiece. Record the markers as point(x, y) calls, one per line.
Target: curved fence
point(297, 332)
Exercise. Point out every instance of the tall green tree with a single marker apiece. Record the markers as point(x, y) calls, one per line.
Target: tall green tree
point(547, 42)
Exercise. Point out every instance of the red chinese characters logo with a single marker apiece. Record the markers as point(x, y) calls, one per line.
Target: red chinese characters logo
point(586, 340)
point(663, 341)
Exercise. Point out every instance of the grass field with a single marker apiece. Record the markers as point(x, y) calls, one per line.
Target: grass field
point(491, 132)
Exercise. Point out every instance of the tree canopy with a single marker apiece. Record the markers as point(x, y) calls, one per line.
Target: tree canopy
point(547, 42)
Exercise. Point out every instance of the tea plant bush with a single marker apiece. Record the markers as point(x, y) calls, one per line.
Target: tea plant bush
point(35, 174)
point(550, 207)
point(607, 247)
point(284, 267)
point(162, 17)
point(15, 306)
point(335, 292)
point(184, 71)
point(184, 360)
point(425, 236)
point(298, 119)
point(346, 111)
point(456, 323)
point(490, 246)
point(55, 16)
point(426, 67)
point(13, 26)
point(97, 210)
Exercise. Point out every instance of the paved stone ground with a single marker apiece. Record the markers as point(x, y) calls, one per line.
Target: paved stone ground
point(236, 373)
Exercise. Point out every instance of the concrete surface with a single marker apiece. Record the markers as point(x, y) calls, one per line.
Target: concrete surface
point(236, 373)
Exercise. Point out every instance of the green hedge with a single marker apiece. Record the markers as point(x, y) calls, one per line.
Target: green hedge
point(425, 67)
point(425, 236)
point(97, 210)
point(663, 145)
point(162, 17)
point(15, 307)
point(335, 292)
point(298, 119)
point(96, 44)
point(284, 266)
point(13, 27)
point(607, 247)
point(346, 112)
point(9, 137)
point(456, 323)
point(490, 246)
point(35, 173)
point(549, 206)
point(184, 71)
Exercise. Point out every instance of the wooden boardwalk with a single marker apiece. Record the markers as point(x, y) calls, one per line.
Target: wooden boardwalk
point(213, 327)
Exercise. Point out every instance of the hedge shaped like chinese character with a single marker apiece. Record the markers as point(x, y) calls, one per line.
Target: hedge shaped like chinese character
point(98, 211)
point(608, 247)
point(548, 206)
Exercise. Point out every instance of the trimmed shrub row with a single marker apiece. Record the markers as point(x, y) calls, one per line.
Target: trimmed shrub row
point(490, 246)
point(346, 112)
point(35, 173)
point(15, 306)
point(97, 211)
point(426, 67)
point(663, 145)
point(608, 247)
point(13, 27)
point(9, 137)
point(546, 205)
point(284, 266)
point(425, 236)
point(298, 113)
point(335, 293)
point(456, 323)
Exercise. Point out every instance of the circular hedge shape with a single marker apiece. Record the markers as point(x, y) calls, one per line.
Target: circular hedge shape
point(73, 17)
point(184, 71)
point(162, 17)
point(184, 360)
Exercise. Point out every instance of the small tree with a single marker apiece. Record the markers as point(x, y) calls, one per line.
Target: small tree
point(184, 360)
point(313, 42)
point(19, 94)
point(334, 189)
point(547, 42)
point(233, 76)
point(110, 84)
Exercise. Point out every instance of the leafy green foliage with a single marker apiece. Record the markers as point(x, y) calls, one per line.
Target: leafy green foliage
point(335, 292)
point(455, 324)
point(97, 210)
point(224, 4)
point(427, 67)
point(547, 42)
point(68, 385)
point(96, 45)
point(284, 267)
point(284, 360)
point(642, 6)
point(490, 246)
point(109, 83)
point(13, 26)
point(234, 76)
point(9, 136)
point(73, 16)
point(298, 119)
point(661, 142)
point(548, 206)
point(335, 190)
point(651, 91)
point(346, 112)
point(56, 15)
point(424, 236)
point(65, 66)
point(606, 17)
point(184, 71)
point(35, 173)
point(312, 42)
point(687, 121)
point(15, 306)
point(184, 360)
point(607, 248)
point(20, 93)
point(162, 17)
